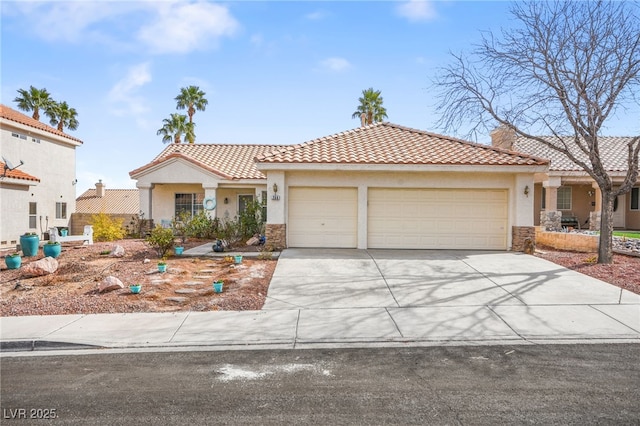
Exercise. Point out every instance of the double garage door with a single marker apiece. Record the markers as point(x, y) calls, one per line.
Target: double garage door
point(399, 218)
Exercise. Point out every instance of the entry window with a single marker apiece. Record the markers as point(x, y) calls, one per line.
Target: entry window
point(61, 210)
point(33, 215)
point(564, 198)
point(189, 203)
point(243, 202)
point(635, 199)
point(544, 198)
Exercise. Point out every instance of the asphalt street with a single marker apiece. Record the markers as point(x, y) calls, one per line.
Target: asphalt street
point(458, 385)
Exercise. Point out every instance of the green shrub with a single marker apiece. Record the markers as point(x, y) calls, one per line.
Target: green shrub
point(251, 221)
point(201, 226)
point(161, 240)
point(106, 228)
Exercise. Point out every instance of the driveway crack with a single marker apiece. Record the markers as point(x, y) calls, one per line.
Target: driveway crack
point(383, 278)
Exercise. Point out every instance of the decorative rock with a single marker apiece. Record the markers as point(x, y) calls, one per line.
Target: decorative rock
point(146, 261)
point(253, 241)
point(118, 251)
point(41, 267)
point(177, 299)
point(193, 283)
point(109, 284)
point(185, 291)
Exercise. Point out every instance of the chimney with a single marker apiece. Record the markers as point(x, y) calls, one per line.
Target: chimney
point(363, 119)
point(100, 189)
point(503, 137)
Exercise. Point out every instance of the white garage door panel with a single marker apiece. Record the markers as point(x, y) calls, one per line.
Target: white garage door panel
point(437, 218)
point(323, 217)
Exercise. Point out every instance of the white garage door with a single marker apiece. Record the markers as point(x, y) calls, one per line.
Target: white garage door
point(437, 218)
point(323, 217)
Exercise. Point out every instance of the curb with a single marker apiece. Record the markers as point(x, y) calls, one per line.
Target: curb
point(41, 345)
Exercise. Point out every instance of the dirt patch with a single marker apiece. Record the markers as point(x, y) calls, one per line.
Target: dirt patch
point(624, 272)
point(186, 286)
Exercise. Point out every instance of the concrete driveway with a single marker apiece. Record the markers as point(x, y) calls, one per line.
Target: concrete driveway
point(433, 294)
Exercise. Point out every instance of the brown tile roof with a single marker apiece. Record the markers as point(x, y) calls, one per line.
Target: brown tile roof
point(115, 201)
point(17, 174)
point(13, 115)
point(613, 152)
point(386, 143)
point(228, 161)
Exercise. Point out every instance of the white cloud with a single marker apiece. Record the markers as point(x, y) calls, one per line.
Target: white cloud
point(417, 10)
point(335, 64)
point(183, 27)
point(123, 94)
point(316, 16)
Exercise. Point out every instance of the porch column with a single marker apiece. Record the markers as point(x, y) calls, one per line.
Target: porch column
point(210, 191)
point(146, 199)
point(594, 216)
point(550, 216)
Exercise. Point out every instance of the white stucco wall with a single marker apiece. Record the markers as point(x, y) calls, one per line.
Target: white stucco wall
point(520, 206)
point(48, 157)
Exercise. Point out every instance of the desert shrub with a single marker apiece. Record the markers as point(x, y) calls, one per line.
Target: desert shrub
point(106, 228)
point(228, 230)
point(201, 225)
point(251, 221)
point(161, 240)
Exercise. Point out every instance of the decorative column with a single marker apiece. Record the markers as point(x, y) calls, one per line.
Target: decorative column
point(550, 217)
point(210, 191)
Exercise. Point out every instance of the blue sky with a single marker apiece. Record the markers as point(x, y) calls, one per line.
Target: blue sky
point(274, 72)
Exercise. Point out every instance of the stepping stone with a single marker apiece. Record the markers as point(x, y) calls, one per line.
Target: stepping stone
point(160, 281)
point(200, 277)
point(185, 290)
point(177, 299)
point(207, 271)
point(193, 283)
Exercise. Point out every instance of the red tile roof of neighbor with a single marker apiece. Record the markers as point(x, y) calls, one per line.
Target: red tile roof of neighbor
point(228, 161)
point(115, 201)
point(13, 115)
point(387, 143)
point(17, 174)
point(613, 153)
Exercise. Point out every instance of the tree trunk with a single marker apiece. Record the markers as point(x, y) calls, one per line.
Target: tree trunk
point(605, 248)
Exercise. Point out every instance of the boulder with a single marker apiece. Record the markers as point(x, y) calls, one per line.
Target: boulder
point(41, 267)
point(109, 284)
point(253, 241)
point(118, 251)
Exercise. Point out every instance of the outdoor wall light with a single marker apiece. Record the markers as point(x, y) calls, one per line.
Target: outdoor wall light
point(526, 190)
point(226, 200)
point(275, 187)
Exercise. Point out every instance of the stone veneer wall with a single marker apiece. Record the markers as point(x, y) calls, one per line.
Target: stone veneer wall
point(276, 236)
point(523, 238)
point(551, 220)
point(568, 241)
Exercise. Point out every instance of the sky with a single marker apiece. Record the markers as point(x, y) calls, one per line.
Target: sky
point(274, 72)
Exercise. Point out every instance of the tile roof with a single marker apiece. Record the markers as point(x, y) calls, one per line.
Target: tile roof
point(17, 174)
point(226, 160)
point(115, 201)
point(387, 143)
point(18, 117)
point(613, 153)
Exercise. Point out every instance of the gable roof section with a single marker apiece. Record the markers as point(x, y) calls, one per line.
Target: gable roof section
point(613, 153)
point(115, 201)
point(17, 174)
point(387, 143)
point(232, 162)
point(18, 117)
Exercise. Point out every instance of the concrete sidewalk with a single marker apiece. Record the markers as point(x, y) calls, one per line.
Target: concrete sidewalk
point(348, 298)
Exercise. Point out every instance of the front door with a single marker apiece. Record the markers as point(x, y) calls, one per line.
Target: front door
point(243, 201)
point(619, 207)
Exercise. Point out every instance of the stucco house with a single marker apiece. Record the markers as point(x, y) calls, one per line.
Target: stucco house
point(379, 186)
point(568, 189)
point(40, 191)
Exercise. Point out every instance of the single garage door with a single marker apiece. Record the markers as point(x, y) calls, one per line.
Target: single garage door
point(323, 217)
point(437, 218)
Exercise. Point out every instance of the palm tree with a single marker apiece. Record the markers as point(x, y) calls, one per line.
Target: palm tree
point(371, 107)
point(174, 127)
point(33, 100)
point(191, 98)
point(61, 115)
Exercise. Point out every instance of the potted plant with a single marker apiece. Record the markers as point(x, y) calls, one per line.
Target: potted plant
point(64, 232)
point(178, 250)
point(52, 249)
point(237, 259)
point(29, 243)
point(217, 286)
point(179, 226)
point(135, 288)
point(13, 261)
point(162, 266)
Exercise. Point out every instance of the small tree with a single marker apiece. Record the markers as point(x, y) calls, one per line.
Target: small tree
point(563, 71)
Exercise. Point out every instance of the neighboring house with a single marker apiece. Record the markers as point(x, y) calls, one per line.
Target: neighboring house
point(117, 203)
point(568, 189)
point(40, 192)
point(217, 178)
